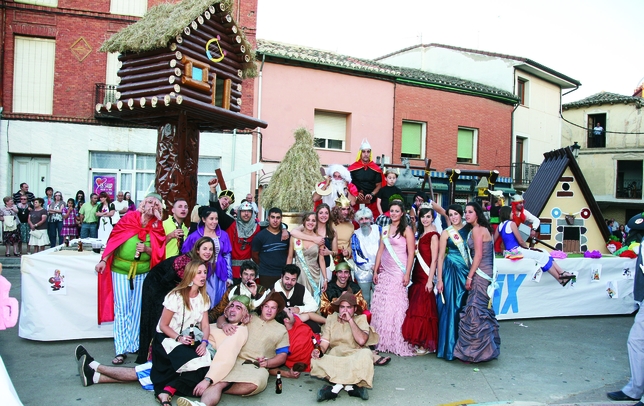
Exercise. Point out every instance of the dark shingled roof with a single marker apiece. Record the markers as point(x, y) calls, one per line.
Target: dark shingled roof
point(601, 98)
point(547, 178)
point(379, 70)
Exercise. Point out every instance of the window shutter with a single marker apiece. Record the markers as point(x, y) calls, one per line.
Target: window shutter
point(465, 144)
point(412, 138)
point(330, 126)
point(33, 75)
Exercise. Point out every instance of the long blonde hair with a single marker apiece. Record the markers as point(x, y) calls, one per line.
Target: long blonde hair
point(183, 288)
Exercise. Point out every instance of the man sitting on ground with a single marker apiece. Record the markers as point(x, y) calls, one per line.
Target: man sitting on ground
point(340, 283)
point(247, 287)
point(267, 348)
point(227, 345)
point(347, 359)
point(297, 298)
point(300, 337)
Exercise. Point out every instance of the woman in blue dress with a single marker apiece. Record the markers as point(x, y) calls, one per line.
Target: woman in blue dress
point(452, 272)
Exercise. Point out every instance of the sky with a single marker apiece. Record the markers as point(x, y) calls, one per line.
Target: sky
point(597, 42)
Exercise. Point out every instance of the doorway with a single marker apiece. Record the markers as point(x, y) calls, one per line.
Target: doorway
point(31, 170)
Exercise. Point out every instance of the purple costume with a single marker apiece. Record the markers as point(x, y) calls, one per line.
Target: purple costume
point(216, 281)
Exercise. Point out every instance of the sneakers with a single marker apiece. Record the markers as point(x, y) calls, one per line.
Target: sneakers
point(86, 373)
point(80, 351)
point(188, 402)
point(323, 394)
point(359, 392)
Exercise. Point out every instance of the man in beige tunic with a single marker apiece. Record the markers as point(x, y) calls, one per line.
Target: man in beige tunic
point(267, 347)
point(346, 362)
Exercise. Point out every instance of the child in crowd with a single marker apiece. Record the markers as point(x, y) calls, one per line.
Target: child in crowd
point(386, 192)
point(70, 228)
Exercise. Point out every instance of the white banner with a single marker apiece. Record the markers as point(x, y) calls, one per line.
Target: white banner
point(603, 286)
point(59, 290)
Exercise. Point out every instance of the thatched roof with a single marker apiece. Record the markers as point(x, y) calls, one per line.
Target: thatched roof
point(162, 23)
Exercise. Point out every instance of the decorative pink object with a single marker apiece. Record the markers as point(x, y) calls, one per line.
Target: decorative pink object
point(8, 305)
point(557, 254)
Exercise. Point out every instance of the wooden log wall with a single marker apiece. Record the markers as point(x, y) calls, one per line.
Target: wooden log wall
point(161, 72)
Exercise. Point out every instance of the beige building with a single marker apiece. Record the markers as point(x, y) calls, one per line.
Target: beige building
point(536, 121)
point(608, 127)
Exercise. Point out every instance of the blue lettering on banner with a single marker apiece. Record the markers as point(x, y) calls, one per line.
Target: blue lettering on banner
point(511, 301)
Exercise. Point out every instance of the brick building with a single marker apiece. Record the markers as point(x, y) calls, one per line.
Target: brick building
point(403, 112)
point(53, 75)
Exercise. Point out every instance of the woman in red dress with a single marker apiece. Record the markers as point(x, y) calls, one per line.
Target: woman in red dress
point(421, 322)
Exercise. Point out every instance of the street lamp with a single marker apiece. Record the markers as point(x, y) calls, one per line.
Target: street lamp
point(575, 149)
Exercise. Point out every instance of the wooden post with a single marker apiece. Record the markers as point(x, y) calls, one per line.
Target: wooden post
point(453, 175)
point(177, 161)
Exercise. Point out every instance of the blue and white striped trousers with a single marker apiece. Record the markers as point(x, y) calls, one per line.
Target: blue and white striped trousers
point(127, 312)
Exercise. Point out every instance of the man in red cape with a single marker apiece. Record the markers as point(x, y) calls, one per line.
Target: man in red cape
point(367, 177)
point(126, 274)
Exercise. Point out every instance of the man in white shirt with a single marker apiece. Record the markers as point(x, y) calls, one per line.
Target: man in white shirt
point(297, 297)
point(120, 206)
point(364, 244)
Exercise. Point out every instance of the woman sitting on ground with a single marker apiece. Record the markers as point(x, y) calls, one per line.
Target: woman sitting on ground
point(180, 362)
point(161, 279)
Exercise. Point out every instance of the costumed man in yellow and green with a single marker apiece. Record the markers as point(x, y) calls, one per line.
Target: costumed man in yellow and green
point(137, 244)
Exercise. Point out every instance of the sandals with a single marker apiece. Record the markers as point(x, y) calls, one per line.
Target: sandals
point(382, 361)
point(565, 278)
point(119, 359)
point(164, 402)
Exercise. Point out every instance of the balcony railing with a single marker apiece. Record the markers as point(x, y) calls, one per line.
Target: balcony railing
point(104, 93)
point(522, 172)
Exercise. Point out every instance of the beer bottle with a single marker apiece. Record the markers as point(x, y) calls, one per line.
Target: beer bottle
point(316, 346)
point(278, 383)
point(80, 246)
point(191, 334)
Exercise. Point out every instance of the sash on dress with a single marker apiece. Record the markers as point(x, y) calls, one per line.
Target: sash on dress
point(493, 284)
point(456, 238)
point(392, 253)
point(298, 247)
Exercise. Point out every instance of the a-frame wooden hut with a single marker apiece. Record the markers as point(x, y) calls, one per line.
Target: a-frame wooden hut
point(182, 67)
point(570, 217)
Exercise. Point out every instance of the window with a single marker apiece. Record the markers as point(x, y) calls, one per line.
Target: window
point(206, 171)
point(33, 75)
point(467, 145)
point(136, 172)
point(46, 3)
point(629, 180)
point(330, 130)
point(522, 91)
point(597, 130)
point(413, 140)
point(129, 7)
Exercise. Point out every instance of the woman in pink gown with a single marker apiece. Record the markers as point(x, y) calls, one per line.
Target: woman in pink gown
point(392, 270)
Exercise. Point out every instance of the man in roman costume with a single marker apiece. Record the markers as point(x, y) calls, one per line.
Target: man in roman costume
point(338, 181)
point(367, 177)
point(241, 236)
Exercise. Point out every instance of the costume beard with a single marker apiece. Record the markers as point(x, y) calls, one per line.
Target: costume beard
point(337, 186)
point(366, 229)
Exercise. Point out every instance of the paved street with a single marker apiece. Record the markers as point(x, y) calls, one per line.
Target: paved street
point(548, 361)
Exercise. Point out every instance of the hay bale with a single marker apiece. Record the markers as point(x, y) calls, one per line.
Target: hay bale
point(296, 176)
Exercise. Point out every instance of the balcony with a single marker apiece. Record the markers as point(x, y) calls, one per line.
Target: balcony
point(522, 173)
point(104, 93)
